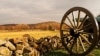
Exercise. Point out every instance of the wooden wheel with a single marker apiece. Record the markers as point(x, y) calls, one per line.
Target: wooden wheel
point(79, 31)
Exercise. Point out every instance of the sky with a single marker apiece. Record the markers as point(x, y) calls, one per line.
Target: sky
point(35, 11)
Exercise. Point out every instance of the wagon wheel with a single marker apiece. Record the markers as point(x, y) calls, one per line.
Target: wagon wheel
point(79, 31)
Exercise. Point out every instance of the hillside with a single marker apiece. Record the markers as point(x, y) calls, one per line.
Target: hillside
point(47, 25)
point(50, 25)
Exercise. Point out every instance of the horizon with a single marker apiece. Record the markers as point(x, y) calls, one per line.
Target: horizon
point(36, 11)
point(30, 23)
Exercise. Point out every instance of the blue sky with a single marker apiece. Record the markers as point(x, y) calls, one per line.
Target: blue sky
point(35, 11)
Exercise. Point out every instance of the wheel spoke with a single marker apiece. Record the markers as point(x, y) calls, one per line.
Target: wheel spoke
point(83, 37)
point(68, 25)
point(86, 33)
point(82, 44)
point(70, 22)
point(77, 45)
point(66, 39)
point(73, 19)
point(78, 19)
point(69, 41)
point(85, 27)
point(74, 42)
point(84, 19)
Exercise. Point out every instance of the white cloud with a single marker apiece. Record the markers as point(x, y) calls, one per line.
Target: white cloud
point(34, 11)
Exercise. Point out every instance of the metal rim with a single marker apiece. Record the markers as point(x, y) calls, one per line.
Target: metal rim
point(75, 37)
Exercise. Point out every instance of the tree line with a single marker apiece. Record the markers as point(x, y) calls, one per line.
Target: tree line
point(40, 26)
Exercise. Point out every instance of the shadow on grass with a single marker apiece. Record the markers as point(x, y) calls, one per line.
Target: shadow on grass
point(95, 52)
point(57, 53)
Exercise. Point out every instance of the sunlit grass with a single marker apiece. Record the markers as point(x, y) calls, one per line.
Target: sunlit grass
point(36, 34)
point(95, 52)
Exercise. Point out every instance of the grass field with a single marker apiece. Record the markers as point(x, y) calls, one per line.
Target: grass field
point(95, 52)
point(38, 34)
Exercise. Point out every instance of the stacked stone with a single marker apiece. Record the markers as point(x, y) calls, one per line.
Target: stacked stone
point(18, 47)
point(28, 46)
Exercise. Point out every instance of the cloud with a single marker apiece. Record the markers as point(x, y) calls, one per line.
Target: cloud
point(34, 11)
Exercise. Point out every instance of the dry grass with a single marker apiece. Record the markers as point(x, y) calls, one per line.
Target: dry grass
point(36, 33)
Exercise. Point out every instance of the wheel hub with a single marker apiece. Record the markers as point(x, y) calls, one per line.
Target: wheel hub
point(74, 32)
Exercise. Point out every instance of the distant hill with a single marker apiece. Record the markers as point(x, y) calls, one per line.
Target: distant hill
point(50, 25)
point(47, 25)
